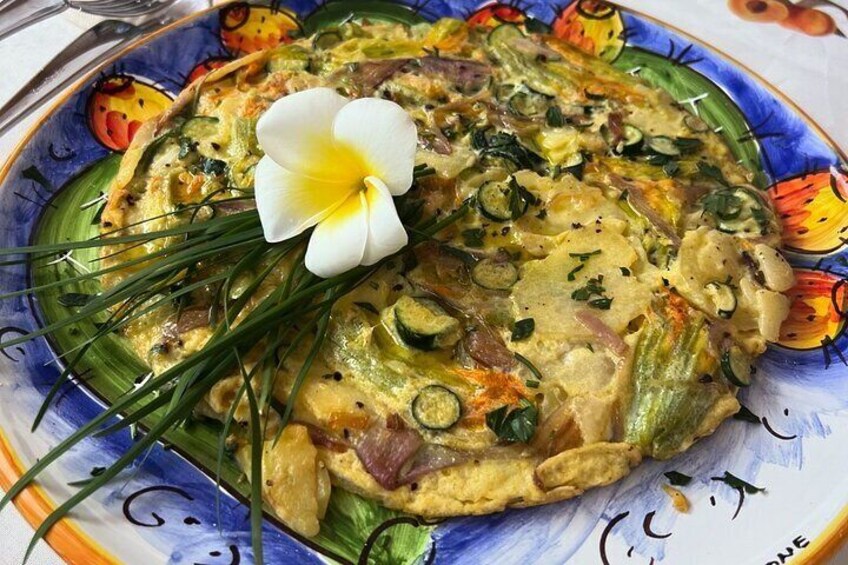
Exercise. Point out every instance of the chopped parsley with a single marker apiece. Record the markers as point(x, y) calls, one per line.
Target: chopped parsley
point(735, 482)
point(422, 170)
point(585, 256)
point(625, 272)
point(711, 171)
point(473, 237)
point(594, 286)
point(688, 144)
point(601, 303)
point(574, 271)
point(523, 329)
point(671, 168)
point(554, 118)
point(531, 384)
point(517, 425)
point(677, 479)
point(530, 366)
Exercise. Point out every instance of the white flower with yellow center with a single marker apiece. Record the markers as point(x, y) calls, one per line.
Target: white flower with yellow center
point(335, 164)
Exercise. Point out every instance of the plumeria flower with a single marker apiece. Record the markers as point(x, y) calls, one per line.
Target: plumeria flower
point(335, 164)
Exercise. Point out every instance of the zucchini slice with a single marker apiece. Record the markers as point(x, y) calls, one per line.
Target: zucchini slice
point(495, 275)
point(423, 324)
point(504, 34)
point(436, 408)
point(574, 164)
point(736, 366)
point(501, 201)
point(723, 297)
point(527, 102)
point(200, 128)
point(630, 142)
point(327, 39)
point(663, 145)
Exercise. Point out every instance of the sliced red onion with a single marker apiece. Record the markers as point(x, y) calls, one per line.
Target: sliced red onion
point(322, 439)
point(384, 449)
point(487, 348)
point(431, 458)
point(602, 332)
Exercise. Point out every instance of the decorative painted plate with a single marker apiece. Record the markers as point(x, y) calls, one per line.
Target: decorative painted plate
point(792, 441)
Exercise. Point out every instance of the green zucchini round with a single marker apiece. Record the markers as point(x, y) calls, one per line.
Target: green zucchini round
point(494, 275)
point(736, 366)
point(436, 408)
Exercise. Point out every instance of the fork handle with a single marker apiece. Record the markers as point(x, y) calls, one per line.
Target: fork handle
point(16, 15)
point(66, 67)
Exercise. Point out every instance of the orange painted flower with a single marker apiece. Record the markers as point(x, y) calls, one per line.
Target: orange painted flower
point(592, 26)
point(816, 315)
point(247, 29)
point(813, 210)
point(494, 14)
point(119, 105)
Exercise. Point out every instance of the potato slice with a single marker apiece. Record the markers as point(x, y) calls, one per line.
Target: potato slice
point(295, 482)
point(544, 291)
point(589, 466)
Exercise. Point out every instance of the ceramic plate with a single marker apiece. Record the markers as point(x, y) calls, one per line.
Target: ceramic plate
point(793, 442)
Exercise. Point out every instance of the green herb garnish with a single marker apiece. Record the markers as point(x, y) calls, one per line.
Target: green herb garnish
point(735, 482)
point(593, 286)
point(517, 425)
point(523, 329)
point(585, 256)
point(711, 171)
point(554, 117)
point(530, 366)
point(574, 271)
point(473, 237)
point(678, 479)
point(601, 303)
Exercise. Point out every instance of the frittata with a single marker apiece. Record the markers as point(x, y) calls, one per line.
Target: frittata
point(601, 302)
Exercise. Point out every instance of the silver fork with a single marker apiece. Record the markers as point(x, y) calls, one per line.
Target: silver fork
point(69, 65)
point(16, 15)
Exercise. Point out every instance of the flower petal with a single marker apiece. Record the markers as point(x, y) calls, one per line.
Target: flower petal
point(338, 242)
point(289, 203)
point(386, 234)
point(385, 137)
point(297, 133)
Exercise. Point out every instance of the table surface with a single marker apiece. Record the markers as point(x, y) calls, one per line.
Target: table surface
point(789, 60)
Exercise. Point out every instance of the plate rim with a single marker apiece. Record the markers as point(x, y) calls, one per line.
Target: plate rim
point(70, 540)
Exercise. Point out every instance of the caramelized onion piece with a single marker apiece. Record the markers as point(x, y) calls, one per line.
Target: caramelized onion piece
point(384, 449)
